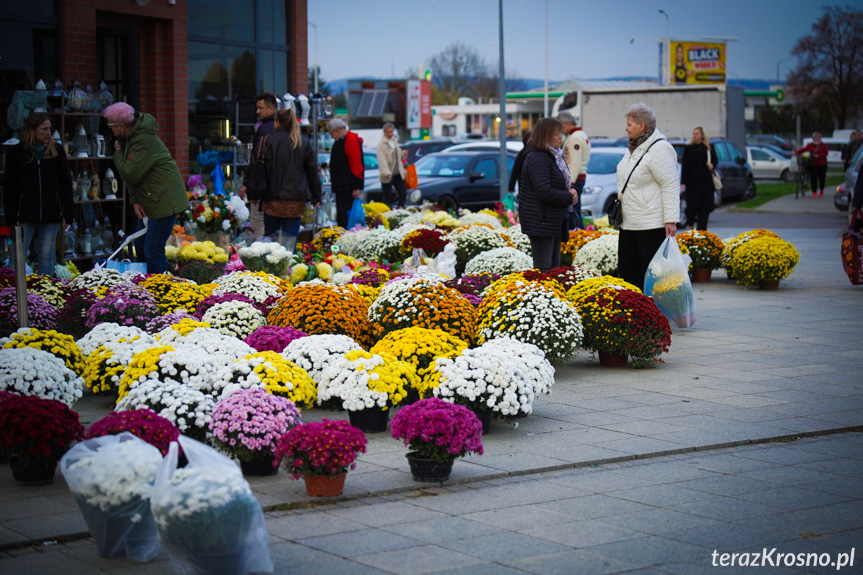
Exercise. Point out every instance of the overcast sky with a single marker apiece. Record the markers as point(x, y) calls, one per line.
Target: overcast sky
point(386, 38)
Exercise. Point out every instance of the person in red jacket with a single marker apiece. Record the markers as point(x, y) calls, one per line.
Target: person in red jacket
point(347, 170)
point(817, 163)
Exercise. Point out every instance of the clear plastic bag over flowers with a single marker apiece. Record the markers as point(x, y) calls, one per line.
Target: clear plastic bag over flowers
point(207, 516)
point(667, 282)
point(111, 479)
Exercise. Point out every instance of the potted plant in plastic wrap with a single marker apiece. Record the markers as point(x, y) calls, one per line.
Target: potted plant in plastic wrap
point(111, 478)
point(437, 432)
point(321, 453)
point(208, 518)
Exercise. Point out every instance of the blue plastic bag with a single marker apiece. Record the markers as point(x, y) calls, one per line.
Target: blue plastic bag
point(667, 282)
point(357, 217)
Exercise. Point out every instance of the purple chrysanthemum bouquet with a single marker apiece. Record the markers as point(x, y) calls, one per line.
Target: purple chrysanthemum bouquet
point(125, 304)
point(435, 429)
point(145, 424)
point(273, 337)
point(42, 315)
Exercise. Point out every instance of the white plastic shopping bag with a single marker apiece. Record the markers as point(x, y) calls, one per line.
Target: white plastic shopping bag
point(667, 282)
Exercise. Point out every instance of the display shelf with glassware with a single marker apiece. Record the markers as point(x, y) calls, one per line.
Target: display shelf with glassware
point(320, 109)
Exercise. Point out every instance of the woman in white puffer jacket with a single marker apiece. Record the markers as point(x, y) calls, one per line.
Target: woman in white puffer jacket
point(651, 200)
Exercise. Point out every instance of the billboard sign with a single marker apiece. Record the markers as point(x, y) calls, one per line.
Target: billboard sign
point(697, 62)
point(419, 104)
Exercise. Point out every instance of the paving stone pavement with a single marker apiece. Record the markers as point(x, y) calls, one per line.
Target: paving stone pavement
point(756, 366)
point(677, 514)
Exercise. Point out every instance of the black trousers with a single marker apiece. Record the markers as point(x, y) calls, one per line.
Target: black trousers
point(698, 216)
point(344, 203)
point(635, 249)
point(546, 252)
point(393, 200)
point(818, 176)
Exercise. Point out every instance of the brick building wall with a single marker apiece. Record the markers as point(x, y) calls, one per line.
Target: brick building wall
point(299, 41)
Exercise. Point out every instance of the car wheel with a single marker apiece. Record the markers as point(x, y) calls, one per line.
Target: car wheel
point(449, 203)
point(787, 176)
point(749, 192)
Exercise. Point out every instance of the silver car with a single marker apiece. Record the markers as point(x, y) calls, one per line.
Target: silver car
point(767, 164)
point(600, 187)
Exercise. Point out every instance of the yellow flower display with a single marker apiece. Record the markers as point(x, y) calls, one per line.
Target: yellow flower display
point(280, 376)
point(505, 283)
point(204, 251)
point(187, 325)
point(420, 303)
point(58, 344)
point(142, 364)
point(732, 245)
point(705, 249)
point(324, 309)
point(106, 365)
point(283, 285)
point(764, 259)
point(592, 284)
point(577, 238)
point(324, 271)
point(51, 289)
point(377, 209)
point(440, 220)
point(298, 273)
point(326, 237)
point(368, 293)
point(360, 380)
point(420, 347)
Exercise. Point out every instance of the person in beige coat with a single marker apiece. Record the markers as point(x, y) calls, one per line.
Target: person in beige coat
point(576, 153)
point(651, 199)
point(392, 170)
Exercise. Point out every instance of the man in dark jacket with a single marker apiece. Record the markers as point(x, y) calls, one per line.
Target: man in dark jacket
point(265, 107)
point(346, 168)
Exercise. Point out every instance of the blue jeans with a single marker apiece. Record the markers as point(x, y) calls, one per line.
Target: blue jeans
point(288, 226)
point(151, 247)
point(46, 237)
point(546, 252)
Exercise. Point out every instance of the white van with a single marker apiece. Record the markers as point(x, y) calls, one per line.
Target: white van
point(834, 147)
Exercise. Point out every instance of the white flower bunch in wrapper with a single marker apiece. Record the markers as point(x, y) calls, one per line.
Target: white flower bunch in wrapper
point(468, 218)
point(599, 254)
point(395, 217)
point(531, 360)
point(519, 239)
point(484, 379)
point(500, 261)
point(110, 472)
point(108, 333)
point(235, 318)
point(187, 408)
point(253, 287)
point(531, 312)
point(316, 352)
point(376, 245)
point(98, 277)
point(31, 371)
point(270, 257)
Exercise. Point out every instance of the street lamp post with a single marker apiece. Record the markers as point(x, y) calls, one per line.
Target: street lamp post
point(501, 94)
point(665, 45)
point(545, 99)
point(313, 25)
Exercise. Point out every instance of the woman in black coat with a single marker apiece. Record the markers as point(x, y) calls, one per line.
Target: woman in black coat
point(545, 193)
point(696, 181)
point(38, 189)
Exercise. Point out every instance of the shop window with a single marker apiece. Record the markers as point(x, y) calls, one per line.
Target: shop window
point(218, 72)
point(272, 23)
point(272, 72)
point(223, 19)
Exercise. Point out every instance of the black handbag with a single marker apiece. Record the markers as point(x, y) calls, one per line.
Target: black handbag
point(615, 211)
point(256, 183)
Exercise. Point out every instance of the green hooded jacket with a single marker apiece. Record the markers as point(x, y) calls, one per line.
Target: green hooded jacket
point(151, 175)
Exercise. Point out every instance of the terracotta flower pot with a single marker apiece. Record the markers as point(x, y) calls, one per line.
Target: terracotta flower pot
point(325, 485)
point(607, 359)
point(701, 276)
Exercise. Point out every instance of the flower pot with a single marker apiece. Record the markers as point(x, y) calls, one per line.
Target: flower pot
point(424, 469)
point(607, 359)
point(700, 276)
point(127, 532)
point(485, 419)
point(217, 562)
point(259, 466)
point(325, 485)
point(729, 274)
point(370, 420)
point(40, 473)
point(768, 286)
point(412, 396)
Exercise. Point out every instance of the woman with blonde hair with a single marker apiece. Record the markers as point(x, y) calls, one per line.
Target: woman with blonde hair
point(292, 176)
point(696, 179)
point(392, 170)
point(649, 193)
point(38, 189)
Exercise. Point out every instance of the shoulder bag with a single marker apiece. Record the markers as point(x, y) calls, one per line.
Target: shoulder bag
point(256, 183)
point(615, 212)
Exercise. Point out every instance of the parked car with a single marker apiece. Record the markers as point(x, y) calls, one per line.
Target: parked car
point(771, 139)
point(767, 164)
point(607, 142)
point(455, 180)
point(736, 174)
point(834, 150)
point(600, 186)
point(470, 136)
point(782, 152)
point(486, 146)
point(416, 149)
point(851, 175)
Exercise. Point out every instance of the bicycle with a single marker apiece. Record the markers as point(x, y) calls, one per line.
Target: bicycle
point(802, 178)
